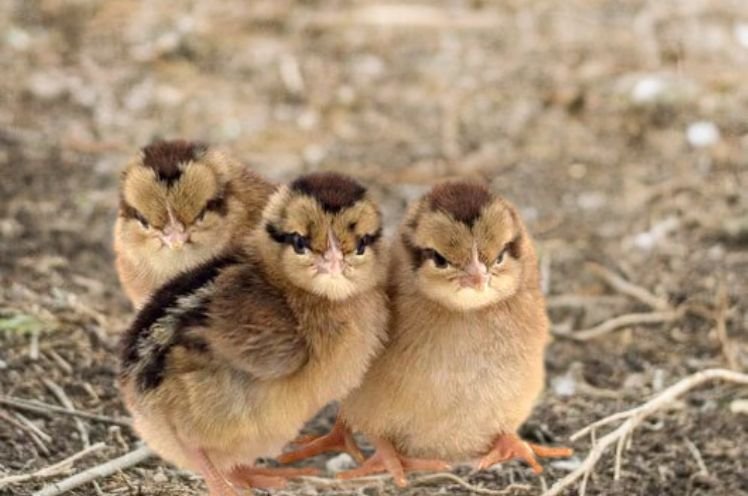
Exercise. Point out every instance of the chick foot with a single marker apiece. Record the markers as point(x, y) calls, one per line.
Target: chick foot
point(216, 482)
point(387, 459)
point(510, 446)
point(267, 477)
point(340, 438)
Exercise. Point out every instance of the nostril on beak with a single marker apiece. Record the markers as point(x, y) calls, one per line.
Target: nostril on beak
point(476, 276)
point(175, 236)
point(332, 259)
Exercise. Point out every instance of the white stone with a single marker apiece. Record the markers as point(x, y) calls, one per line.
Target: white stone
point(647, 240)
point(47, 86)
point(18, 38)
point(160, 477)
point(564, 385)
point(648, 89)
point(568, 465)
point(739, 406)
point(591, 200)
point(343, 461)
point(741, 34)
point(702, 133)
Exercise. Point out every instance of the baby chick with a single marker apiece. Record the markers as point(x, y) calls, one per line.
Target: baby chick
point(181, 203)
point(226, 362)
point(464, 362)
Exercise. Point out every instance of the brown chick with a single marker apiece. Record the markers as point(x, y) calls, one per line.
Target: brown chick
point(181, 203)
point(464, 362)
point(226, 362)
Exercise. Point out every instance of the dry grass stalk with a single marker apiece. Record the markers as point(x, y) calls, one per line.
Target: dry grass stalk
point(628, 288)
point(62, 397)
point(720, 317)
point(103, 470)
point(50, 410)
point(621, 321)
point(53, 470)
point(634, 417)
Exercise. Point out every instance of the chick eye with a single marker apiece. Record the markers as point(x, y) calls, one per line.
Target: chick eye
point(362, 244)
point(300, 243)
point(501, 257)
point(142, 220)
point(438, 259)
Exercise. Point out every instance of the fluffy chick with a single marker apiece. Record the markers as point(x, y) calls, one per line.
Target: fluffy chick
point(464, 364)
point(227, 361)
point(181, 203)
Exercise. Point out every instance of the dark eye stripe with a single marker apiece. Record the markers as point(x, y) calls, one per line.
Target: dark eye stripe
point(296, 240)
point(217, 204)
point(293, 239)
point(367, 240)
point(419, 255)
point(127, 211)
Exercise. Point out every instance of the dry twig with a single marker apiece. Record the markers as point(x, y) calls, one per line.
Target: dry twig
point(62, 397)
point(30, 432)
point(49, 411)
point(583, 301)
point(104, 470)
point(628, 288)
point(400, 15)
point(378, 480)
point(720, 317)
point(634, 417)
point(52, 470)
point(620, 321)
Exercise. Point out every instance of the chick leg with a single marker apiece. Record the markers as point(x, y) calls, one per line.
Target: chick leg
point(267, 477)
point(340, 438)
point(510, 446)
point(387, 459)
point(217, 484)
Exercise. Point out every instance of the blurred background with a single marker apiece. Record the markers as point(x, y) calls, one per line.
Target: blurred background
point(618, 128)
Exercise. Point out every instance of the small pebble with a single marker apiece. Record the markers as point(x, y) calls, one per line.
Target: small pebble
point(564, 385)
point(160, 477)
point(702, 134)
point(18, 38)
point(568, 465)
point(343, 461)
point(647, 90)
point(577, 171)
point(591, 200)
point(741, 34)
point(739, 406)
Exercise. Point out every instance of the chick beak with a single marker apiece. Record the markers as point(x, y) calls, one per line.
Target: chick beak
point(175, 236)
point(476, 274)
point(331, 261)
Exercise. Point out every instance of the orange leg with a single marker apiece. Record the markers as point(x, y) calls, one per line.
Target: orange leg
point(386, 459)
point(510, 447)
point(267, 477)
point(339, 438)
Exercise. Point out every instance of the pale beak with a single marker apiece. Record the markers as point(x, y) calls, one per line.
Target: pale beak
point(476, 274)
point(331, 261)
point(174, 235)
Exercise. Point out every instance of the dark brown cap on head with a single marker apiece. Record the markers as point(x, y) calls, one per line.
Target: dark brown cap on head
point(164, 157)
point(463, 200)
point(333, 191)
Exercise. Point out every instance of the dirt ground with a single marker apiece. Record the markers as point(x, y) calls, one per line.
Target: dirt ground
point(619, 128)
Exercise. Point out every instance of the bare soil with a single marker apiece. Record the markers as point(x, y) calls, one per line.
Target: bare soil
point(577, 111)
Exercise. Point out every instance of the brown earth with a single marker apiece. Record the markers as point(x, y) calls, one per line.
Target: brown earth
point(575, 110)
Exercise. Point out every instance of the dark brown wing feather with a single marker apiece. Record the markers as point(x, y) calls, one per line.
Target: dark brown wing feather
point(253, 327)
